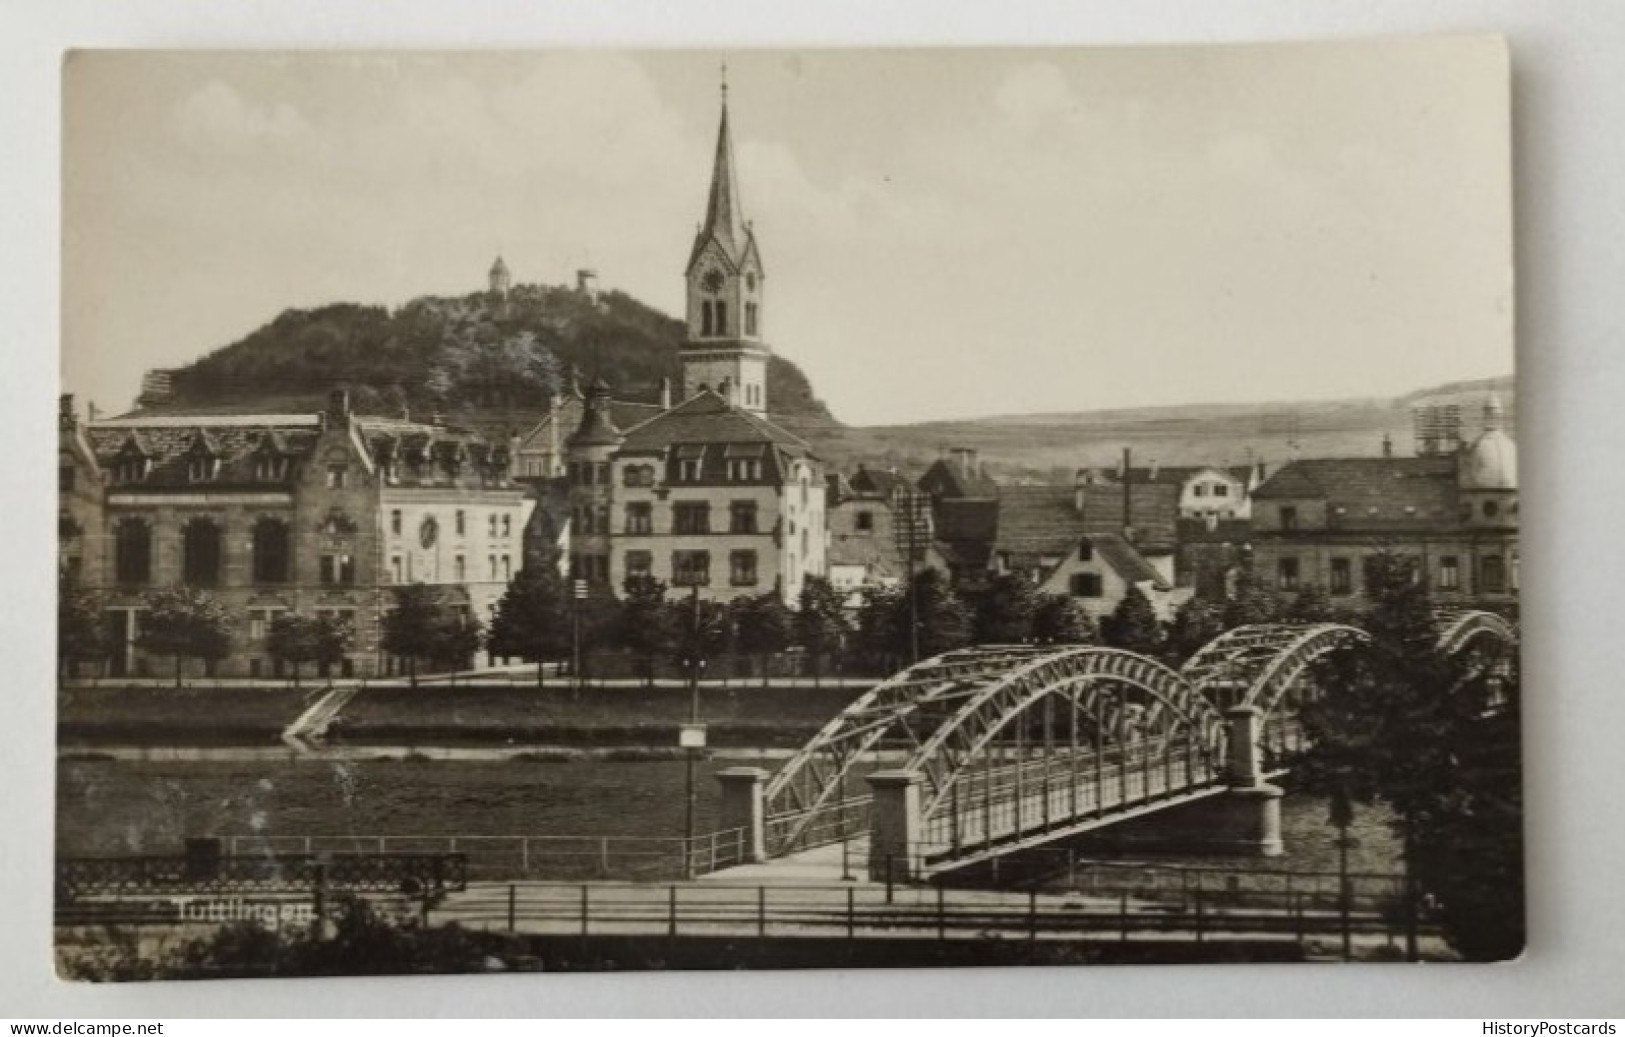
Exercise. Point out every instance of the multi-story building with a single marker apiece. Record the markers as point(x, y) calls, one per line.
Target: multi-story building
point(1455, 512)
point(709, 493)
point(275, 513)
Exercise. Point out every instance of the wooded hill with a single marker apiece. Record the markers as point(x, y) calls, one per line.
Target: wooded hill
point(458, 356)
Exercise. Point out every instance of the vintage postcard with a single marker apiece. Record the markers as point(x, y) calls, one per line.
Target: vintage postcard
point(595, 510)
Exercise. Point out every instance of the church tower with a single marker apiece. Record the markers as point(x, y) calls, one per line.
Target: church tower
point(724, 350)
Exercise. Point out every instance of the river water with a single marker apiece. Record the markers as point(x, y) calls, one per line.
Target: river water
point(111, 805)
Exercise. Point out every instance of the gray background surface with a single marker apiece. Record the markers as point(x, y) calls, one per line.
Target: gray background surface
point(1568, 111)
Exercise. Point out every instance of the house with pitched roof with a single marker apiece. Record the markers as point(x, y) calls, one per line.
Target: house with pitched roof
point(309, 514)
point(1315, 521)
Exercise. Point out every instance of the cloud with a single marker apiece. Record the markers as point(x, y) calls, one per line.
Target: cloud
point(218, 116)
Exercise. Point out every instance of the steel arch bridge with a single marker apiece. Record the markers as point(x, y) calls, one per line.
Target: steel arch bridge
point(1013, 743)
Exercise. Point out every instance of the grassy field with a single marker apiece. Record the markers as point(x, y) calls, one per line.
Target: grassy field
point(464, 715)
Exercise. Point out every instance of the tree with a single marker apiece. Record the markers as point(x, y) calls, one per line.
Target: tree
point(882, 627)
point(1251, 602)
point(296, 640)
point(423, 627)
point(1397, 721)
point(1133, 625)
point(821, 625)
point(533, 619)
point(1196, 622)
point(761, 625)
point(1004, 610)
point(80, 633)
point(1059, 620)
point(698, 630)
point(185, 623)
point(1311, 605)
point(643, 622)
point(944, 619)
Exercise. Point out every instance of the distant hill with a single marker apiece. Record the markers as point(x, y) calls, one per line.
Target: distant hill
point(1050, 447)
point(467, 357)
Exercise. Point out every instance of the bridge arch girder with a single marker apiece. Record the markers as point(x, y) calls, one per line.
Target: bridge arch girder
point(1115, 690)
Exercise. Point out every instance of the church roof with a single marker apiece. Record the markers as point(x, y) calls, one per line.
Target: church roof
point(724, 215)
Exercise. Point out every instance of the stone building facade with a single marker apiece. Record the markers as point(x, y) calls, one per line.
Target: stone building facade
point(308, 514)
point(1316, 521)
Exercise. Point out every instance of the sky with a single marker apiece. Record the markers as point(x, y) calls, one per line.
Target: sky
point(946, 233)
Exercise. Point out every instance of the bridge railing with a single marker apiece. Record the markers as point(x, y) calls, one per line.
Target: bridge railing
point(834, 823)
point(415, 873)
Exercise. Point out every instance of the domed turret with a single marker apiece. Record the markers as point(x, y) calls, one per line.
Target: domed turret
point(1491, 463)
point(500, 279)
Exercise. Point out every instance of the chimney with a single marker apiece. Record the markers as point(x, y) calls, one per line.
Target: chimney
point(1153, 477)
point(338, 408)
point(665, 394)
point(725, 389)
point(1128, 495)
point(91, 412)
point(1080, 482)
point(66, 420)
point(964, 458)
point(1387, 445)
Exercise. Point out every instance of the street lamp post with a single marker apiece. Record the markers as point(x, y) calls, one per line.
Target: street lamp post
point(692, 736)
point(1342, 816)
point(579, 595)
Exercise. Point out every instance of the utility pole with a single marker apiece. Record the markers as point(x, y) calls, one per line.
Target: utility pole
point(580, 595)
point(913, 592)
point(692, 736)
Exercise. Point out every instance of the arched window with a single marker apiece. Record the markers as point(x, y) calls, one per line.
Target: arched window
point(200, 545)
point(132, 552)
point(272, 557)
point(705, 318)
point(722, 318)
point(750, 318)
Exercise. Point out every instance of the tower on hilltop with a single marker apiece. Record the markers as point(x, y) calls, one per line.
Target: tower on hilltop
point(724, 350)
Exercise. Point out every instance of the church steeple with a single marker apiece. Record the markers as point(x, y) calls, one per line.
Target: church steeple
point(726, 286)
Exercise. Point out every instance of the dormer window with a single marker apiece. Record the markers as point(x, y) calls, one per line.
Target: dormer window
point(270, 468)
point(690, 463)
point(744, 462)
point(201, 468)
point(131, 469)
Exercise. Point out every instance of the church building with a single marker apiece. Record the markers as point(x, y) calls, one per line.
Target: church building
point(709, 493)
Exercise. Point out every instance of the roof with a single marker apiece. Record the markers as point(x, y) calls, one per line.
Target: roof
point(1222, 531)
point(623, 414)
point(949, 478)
point(1178, 475)
point(1127, 561)
point(1041, 520)
point(724, 215)
point(1153, 510)
point(707, 418)
point(1376, 493)
point(882, 483)
point(1491, 463)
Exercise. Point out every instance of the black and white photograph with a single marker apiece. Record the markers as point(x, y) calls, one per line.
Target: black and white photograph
point(586, 510)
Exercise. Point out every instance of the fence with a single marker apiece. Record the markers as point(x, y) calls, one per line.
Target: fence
point(208, 872)
point(867, 911)
point(501, 857)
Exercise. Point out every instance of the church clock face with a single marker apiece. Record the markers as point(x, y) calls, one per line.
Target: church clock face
point(712, 280)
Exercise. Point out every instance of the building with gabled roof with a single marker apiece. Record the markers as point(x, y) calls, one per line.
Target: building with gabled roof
point(309, 514)
point(1316, 520)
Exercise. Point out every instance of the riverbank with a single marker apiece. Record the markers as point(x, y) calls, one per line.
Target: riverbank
point(738, 716)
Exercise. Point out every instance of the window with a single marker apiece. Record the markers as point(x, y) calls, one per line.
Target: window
point(1495, 577)
point(1201, 489)
point(690, 463)
point(1513, 568)
point(132, 552)
point(744, 469)
point(200, 547)
point(1086, 585)
point(337, 474)
point(865, 522)
point(507, 568)
point(1449, 574)
point(460, 567)
point(338, 570)
point(1287, 574)
point(271, 551)
point(395, 522)
point(1221, 490)
point(639, 563)
point(600, 520)
point(691, 568)
point(462, 523)
point(750, 318)
point(493, 568)
point(639, 519)
point(201, 468)
point(691, 517)
point(507, 525)
point(259, 622)
point(742, 568)
point(492, 531)
point(638, 475)
point(1491, 509)
point(1342, 576)
point(601, 473)
point(1289, 518)
point(722, 317)
point(742, 516)
point(706, 323)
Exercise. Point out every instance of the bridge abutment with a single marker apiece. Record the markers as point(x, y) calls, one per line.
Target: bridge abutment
point(742, 809)
point(894, 825)
point(1247, 819)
